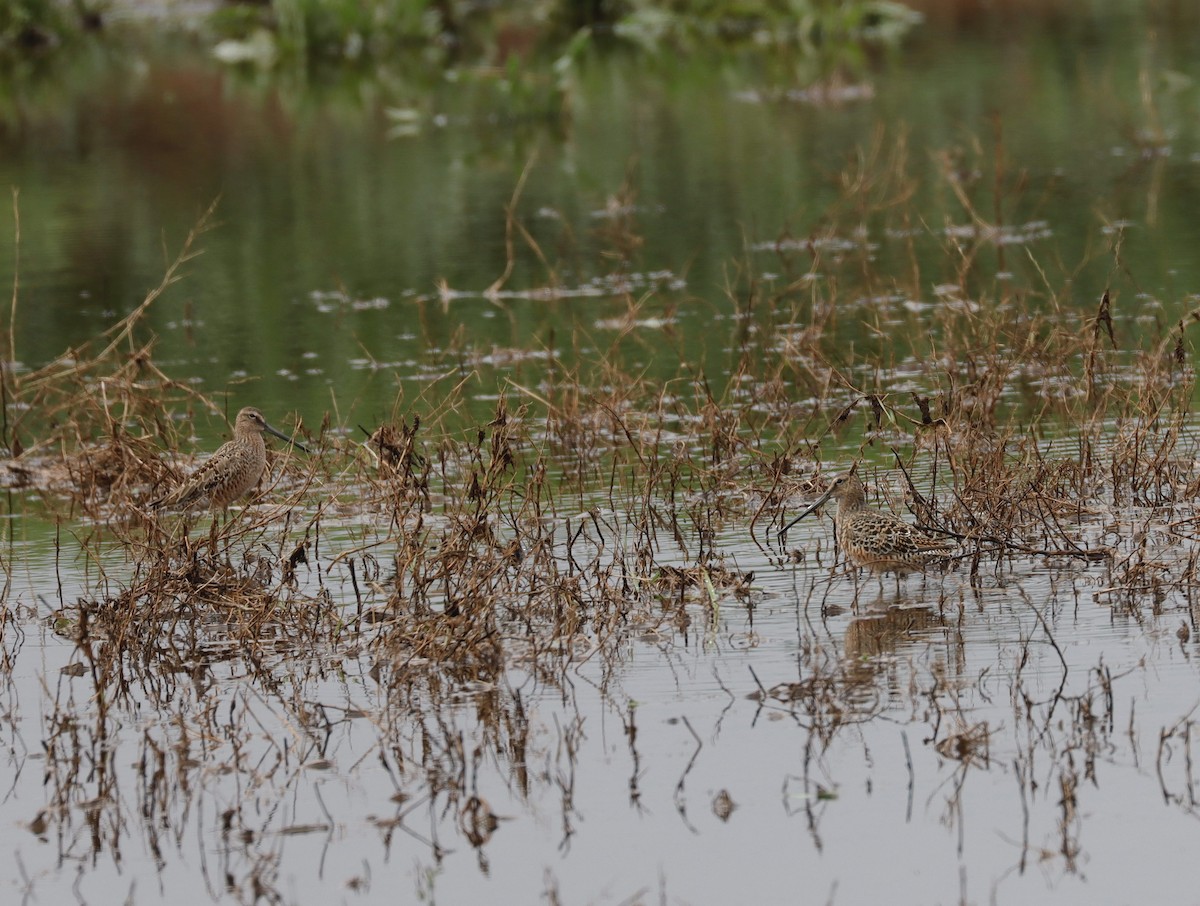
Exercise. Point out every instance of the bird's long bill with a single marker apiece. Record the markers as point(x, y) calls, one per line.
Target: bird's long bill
point(291, 440)
point(811, 509)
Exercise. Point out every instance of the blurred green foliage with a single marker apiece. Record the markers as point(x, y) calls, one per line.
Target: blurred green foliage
point(27, 25)
point(353, 29)
point(449, 32)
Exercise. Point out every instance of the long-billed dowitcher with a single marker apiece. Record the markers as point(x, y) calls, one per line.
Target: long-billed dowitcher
point(869, 538)
point(233, 470)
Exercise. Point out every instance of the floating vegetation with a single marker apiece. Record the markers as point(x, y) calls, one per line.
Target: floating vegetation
point(1002, 235)
point(816, 95)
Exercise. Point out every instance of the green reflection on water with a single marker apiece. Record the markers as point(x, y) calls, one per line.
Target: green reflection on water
point(677, 171)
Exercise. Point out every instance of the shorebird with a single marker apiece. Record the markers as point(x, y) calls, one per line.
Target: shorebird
point(229, 473)
point(872, 539)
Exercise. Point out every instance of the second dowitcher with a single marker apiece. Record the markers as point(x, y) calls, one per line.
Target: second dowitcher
point(878, 541)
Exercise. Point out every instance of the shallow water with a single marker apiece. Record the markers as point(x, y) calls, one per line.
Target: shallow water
point(850, 758)
point(1012, 735)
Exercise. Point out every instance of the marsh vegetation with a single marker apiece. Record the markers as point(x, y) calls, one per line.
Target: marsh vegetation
point(519, 623)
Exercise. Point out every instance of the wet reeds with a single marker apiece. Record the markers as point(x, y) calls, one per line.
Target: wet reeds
point(455, 562)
